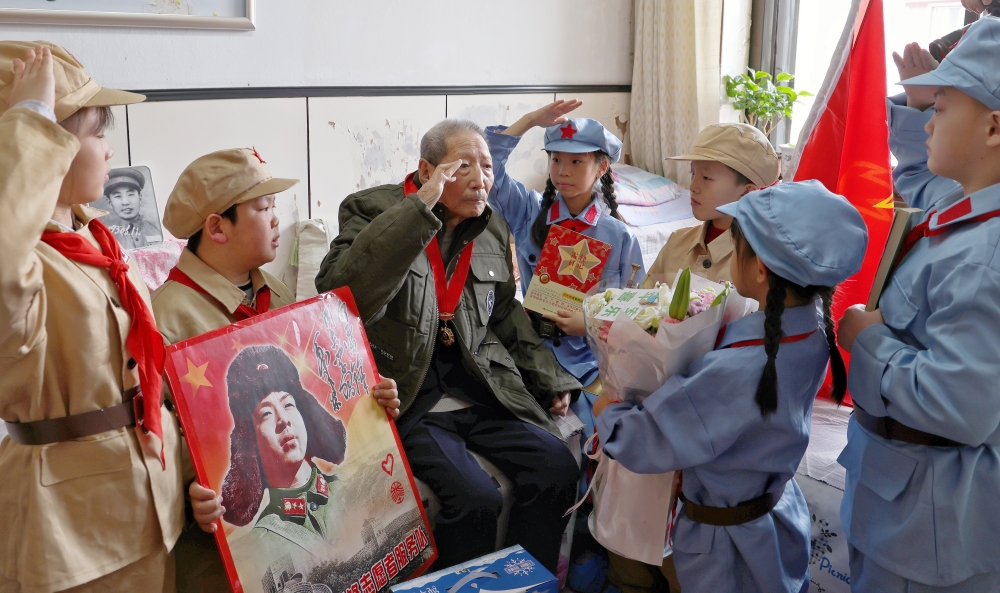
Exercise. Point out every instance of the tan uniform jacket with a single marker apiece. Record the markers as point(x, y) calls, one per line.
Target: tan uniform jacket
point(686, 247)
point(182, 312)
point(69, 512)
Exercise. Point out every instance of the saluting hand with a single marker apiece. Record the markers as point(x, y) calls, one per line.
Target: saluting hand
point(386, 395)
point(431, 190)
point(33, 78)
point(977, 6)
point(552, 114)
point(207, 506)
point(914, 62)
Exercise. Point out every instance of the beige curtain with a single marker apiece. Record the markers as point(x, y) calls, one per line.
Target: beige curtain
point(675, 81)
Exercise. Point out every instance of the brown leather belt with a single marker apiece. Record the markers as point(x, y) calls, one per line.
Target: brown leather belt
point(68, 428)
point(887, 428)
point(727, 517)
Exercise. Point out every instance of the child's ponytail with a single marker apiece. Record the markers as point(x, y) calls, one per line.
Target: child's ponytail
point(608, 189)
point(836, 360)
point(540, 228)
point(767, 388)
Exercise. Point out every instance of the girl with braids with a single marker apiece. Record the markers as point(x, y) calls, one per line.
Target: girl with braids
point(579, 194)
point(737, 421)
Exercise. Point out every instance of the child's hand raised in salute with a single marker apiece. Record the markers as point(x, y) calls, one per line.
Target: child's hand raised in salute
point(33, 78)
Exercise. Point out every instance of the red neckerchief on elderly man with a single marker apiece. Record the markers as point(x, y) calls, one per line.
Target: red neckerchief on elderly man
point(449, 292)
point(143, 341)
point(262, 300)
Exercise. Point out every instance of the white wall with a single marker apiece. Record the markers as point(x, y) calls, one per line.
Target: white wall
point(367, 43)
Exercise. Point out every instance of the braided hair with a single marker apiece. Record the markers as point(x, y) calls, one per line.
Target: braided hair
point(540, 228)
point(778, 288)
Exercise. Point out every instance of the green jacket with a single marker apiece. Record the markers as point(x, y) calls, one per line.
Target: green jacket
point(380, 255)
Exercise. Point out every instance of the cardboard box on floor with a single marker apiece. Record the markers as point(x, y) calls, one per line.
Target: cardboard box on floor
point(511, 571)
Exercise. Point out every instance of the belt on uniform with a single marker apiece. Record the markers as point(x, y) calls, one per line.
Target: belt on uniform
point(727, 517)
point(68, 428)
point(887, 428)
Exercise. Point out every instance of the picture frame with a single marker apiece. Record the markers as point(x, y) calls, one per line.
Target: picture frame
point(290, 388)
point(182, 14)
point(130, 202)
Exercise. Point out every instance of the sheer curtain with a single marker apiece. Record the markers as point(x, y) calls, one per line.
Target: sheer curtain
point(675, 80)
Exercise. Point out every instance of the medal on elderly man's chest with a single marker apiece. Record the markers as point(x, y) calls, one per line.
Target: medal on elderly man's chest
point(449, 292)
point(446, 336)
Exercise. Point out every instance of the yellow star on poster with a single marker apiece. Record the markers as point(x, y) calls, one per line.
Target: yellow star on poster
point(196, 376)
point(577, 261)
point(237, 345)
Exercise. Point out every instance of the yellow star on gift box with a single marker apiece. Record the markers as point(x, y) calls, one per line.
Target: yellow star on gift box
point(577, 261)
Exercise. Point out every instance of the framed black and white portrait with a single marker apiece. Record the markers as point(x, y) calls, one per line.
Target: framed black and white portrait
point(130, 203)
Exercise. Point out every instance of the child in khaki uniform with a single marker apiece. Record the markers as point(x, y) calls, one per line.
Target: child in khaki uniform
point(727, 162)
point(223, 204)
point(91, 497)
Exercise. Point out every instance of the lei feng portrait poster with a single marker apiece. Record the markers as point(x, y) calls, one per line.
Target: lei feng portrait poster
point(279, 418)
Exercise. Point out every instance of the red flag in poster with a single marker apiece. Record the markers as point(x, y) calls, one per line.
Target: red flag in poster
point(846, 144)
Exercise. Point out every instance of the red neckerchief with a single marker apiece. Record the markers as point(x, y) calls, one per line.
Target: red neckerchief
point(449, 292)
point(243, 311)
point(574, 224)
point(713, 233)
point(759, 342)
point(946, 216)
point(143, 341)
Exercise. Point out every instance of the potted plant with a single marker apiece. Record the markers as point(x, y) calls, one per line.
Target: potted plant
point(762, 103)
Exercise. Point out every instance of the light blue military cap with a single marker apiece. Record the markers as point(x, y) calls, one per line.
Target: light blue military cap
point(579, 135)
point(802, 232)
point(972, 66)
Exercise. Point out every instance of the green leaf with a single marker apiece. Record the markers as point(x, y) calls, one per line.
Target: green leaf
point(752, 86)
point(784, 77)
point(806, 94)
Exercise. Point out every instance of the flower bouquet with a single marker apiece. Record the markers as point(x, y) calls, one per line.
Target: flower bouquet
point(640, 337)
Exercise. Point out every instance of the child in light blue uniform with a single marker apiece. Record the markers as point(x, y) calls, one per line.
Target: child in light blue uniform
point(581, 152)
point(923, 454)
point(737, 421)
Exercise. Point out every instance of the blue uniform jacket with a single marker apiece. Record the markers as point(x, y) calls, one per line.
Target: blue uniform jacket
point(707, 423)
point(519, 207)
point(930, 514)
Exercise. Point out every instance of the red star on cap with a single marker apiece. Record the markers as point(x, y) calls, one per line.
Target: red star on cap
point(259, 158)
point(567, 131)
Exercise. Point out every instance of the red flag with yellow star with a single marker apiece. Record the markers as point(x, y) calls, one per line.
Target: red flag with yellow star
point(846, 140)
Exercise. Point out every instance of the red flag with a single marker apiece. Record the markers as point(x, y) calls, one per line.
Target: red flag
point(846, 141)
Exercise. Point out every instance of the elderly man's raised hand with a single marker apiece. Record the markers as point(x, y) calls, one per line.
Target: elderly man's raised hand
point(33, 78)
point(552, 114)
point(914, 62)
point(431, 190)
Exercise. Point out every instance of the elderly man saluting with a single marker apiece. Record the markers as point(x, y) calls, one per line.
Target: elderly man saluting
point(430, 268)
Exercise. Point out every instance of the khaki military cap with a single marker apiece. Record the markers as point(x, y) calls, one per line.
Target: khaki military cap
point(739, 146)
point(214, 183)
point(75, 89)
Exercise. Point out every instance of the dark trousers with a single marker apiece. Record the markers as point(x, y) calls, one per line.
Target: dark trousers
point(540, 467)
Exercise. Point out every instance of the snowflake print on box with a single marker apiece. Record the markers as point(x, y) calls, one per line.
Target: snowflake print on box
point(287, 393)
point(519, 566)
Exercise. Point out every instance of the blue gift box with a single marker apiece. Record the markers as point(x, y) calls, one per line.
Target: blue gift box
point(508, 571)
